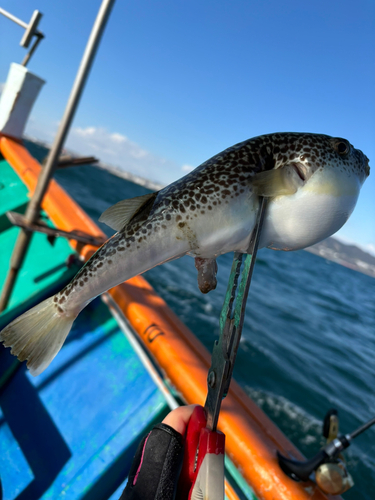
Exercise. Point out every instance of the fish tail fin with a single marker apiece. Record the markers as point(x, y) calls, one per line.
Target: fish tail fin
point(37, 335)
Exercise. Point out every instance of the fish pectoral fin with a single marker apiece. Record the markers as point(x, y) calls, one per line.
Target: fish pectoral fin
point(274, 182)
point(119, 215)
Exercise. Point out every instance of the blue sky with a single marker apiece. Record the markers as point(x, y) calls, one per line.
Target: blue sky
point(175, 82)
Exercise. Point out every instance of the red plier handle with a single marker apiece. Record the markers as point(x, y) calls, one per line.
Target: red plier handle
point(202, 474)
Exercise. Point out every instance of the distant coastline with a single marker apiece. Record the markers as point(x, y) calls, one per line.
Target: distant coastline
point(349, 256)
point(115, 170)
point(331, 249)
point(154, 186)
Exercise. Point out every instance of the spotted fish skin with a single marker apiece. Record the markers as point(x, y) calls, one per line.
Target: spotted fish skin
point(180, 214)
point(209, 212)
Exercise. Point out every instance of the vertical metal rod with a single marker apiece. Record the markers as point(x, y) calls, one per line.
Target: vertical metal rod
point(231, 322)
point(32, 50)
point(33, 209)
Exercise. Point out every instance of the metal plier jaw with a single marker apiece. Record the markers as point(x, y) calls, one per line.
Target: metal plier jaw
point(203, 469)
point(231, 323)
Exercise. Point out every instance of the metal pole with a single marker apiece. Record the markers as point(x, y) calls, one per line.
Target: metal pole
point(30, 32)
point(33, 209)
point(32, 50)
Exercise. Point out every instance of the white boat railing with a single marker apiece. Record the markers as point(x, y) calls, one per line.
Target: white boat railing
point(30, 31)
point(33, 208)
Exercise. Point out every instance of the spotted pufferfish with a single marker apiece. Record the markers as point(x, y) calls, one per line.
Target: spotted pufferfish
point(312, 182)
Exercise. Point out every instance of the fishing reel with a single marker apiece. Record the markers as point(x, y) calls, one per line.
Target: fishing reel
point(333, 477)
point(331, 474)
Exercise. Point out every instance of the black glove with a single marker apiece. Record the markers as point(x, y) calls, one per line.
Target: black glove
point(156, 466)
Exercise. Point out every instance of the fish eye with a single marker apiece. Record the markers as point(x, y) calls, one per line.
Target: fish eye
point(342, 148)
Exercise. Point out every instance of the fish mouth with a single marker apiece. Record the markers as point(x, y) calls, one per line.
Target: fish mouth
point(300, 171)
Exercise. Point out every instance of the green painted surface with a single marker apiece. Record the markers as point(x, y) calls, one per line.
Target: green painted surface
point(44, 269)
point(13, 194)
point(122, 400)
point(89, 409)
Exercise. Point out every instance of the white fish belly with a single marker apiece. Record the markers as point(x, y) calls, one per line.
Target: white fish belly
point(226, 229)
point(312, 214)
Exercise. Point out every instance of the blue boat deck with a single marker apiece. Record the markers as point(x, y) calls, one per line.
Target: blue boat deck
point(72, 431)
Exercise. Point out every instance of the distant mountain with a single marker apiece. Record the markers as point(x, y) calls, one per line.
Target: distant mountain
point(347, 255)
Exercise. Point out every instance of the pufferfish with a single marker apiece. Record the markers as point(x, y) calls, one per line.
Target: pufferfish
point(312, 183)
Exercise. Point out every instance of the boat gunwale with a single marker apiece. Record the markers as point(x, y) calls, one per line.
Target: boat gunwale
point(252, 439)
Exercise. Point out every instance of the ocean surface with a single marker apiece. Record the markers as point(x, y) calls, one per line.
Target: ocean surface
point(308, 342)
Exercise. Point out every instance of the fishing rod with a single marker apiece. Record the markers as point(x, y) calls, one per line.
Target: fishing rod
point(334, 478)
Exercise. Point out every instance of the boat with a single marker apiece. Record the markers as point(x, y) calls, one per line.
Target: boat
point(72, 431)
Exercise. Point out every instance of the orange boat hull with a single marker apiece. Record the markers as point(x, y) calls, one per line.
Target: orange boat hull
point(252, 439)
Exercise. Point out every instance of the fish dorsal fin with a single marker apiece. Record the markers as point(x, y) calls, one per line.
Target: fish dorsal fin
point(119, 215)
point(274, 182)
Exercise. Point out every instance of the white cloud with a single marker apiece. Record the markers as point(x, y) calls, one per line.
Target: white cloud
point(113, 148)
point(85, 132)
point(118, 150)
point(187, 168)
point(118, 137)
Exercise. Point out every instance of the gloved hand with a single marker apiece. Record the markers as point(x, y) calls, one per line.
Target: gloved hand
point(158, 460)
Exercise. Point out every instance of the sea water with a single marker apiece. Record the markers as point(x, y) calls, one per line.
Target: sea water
point(308, 341)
